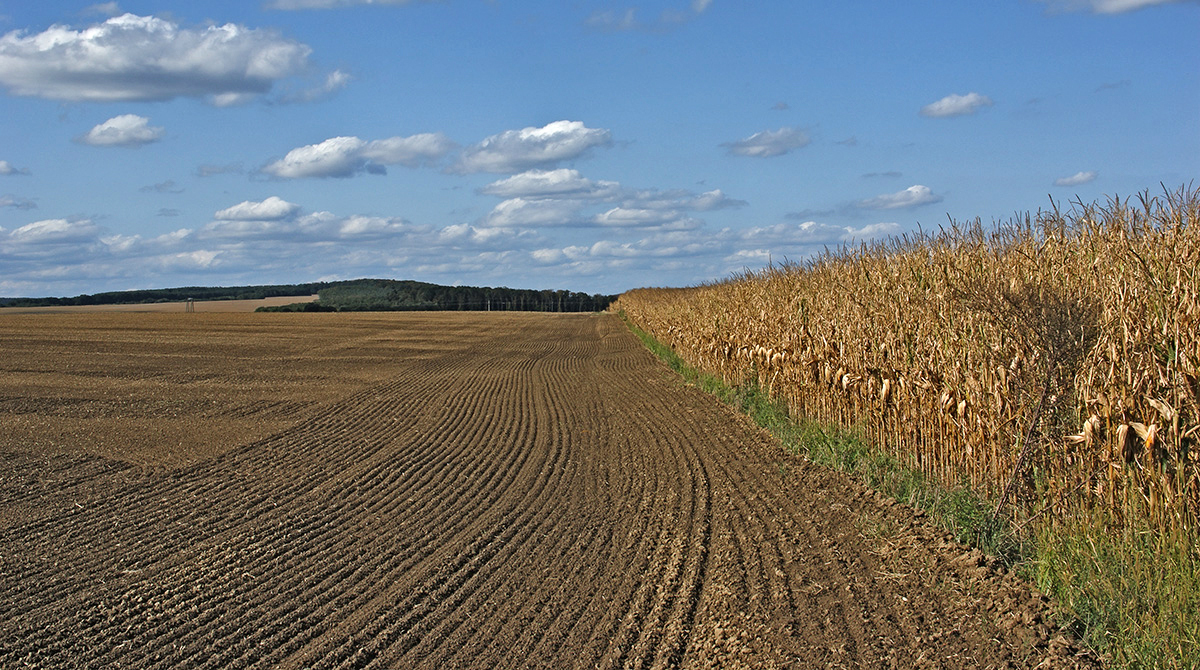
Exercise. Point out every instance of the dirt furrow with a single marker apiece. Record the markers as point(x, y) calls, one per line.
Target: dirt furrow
point(458, 491)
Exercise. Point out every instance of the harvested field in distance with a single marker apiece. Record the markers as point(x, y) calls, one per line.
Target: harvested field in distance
point(444, 490)
point(198, 305)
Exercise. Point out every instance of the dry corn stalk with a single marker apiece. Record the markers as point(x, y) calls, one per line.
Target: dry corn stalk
point(881, 337)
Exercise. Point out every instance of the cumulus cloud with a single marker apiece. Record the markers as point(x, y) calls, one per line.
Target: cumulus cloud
point(66, 256)
point(370, 226)
point(913, 196)
point(420, 149)
point(871, 232)
point(627, 217)
point(139, 58)
point(334, 82)
point(956, 105)
point(525, 213)
point(560, 183)
point(695, 252)
point(539, 198)
point(279, 222)
point(348, 156)
point(782, 236)
point(1076, 179)
point(520, 150)
point(1105, 6)
point(271, 209)
point(55, 231)
point(7, 169)
point(769, 143)
point(712, 200)
point(127, 130)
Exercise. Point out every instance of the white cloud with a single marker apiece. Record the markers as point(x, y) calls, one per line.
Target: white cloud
point(7, 169)
point(539, 198)
point(348, 156)
point(913, 196)
point(623, 217)
point(956, 105)
point(1076, 179)
point(786, 234)
point(55, 231)
point(519, 150)
point(609, 248)
point(271, 209)
point(235, 99)
point(335, 157)
point(126, 130)
point(547, 255)
point(769, 143)
point(278, 224)
point(370, 226)
point(66, 257)
point(560, 183)
point(334, 82)
point(132, 57)
point(523, 213)
point(413, 151)
point(1106, 6)
point(871, 232)
point(712, 200)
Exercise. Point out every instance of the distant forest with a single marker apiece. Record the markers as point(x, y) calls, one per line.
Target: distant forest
point(356, 295)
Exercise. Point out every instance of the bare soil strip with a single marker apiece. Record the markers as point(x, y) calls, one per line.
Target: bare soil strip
point(197, 305)
point(474, 491)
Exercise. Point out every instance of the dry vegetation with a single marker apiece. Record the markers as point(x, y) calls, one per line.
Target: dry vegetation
point(1052, 363)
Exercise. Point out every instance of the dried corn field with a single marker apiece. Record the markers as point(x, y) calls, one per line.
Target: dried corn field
point(1053, 362)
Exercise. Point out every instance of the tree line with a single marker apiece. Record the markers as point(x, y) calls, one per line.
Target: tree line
point(397, 295)
point(351, 295)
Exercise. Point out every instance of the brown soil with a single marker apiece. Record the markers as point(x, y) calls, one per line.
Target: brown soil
point(453, 490)
point(198, 306)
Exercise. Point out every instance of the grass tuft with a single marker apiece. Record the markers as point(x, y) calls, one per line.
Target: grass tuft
point(1133, 595)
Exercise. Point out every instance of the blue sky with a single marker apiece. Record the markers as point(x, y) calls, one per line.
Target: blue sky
point(590, 145)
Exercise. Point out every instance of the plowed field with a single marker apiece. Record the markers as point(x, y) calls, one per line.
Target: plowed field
point(439, 491)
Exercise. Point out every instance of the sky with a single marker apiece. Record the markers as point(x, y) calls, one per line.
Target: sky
point(589, 145)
